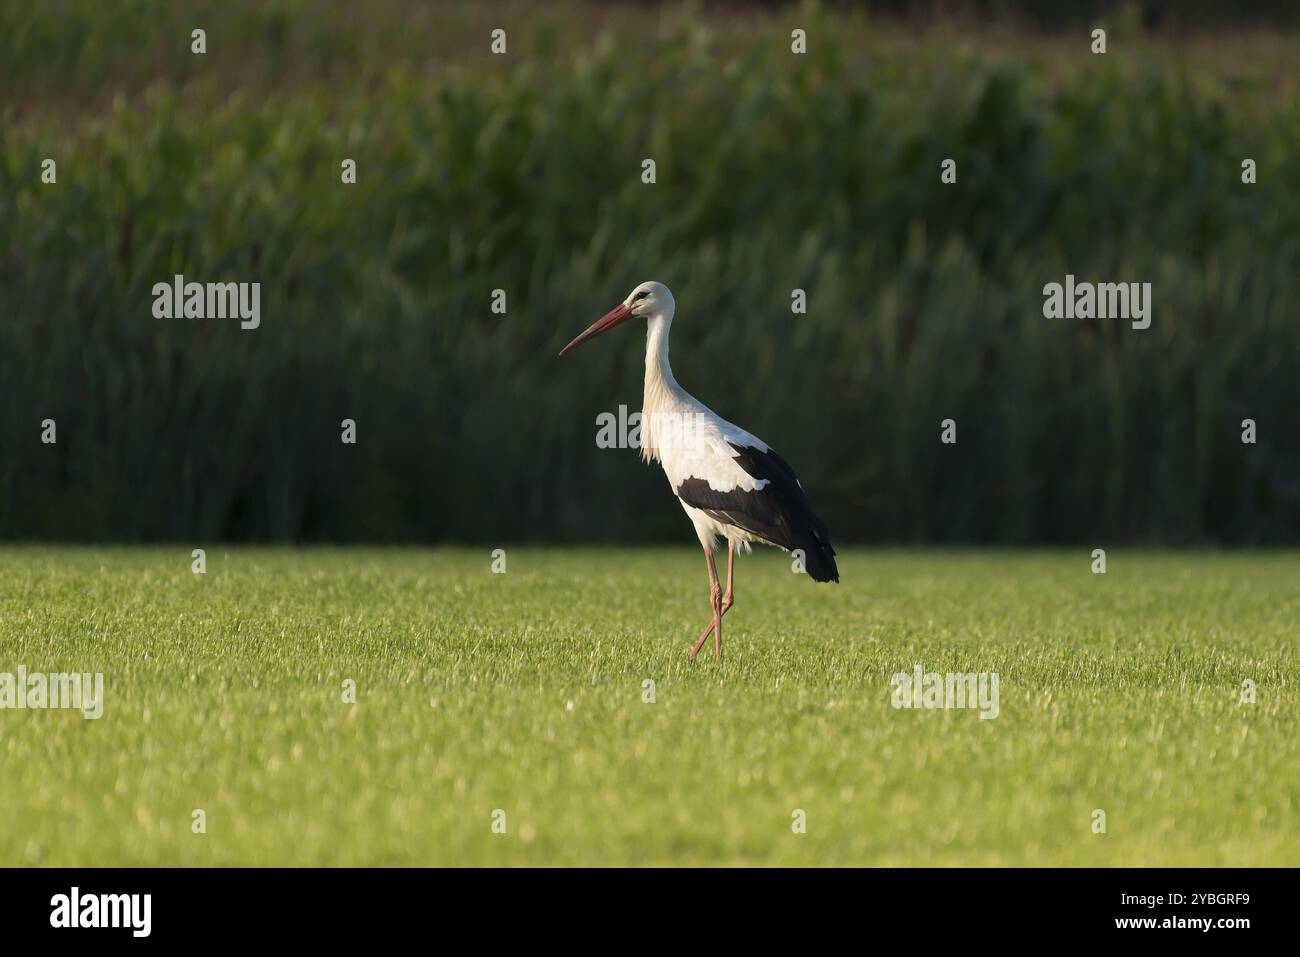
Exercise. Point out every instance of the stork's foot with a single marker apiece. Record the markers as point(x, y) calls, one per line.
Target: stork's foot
point(727, 601)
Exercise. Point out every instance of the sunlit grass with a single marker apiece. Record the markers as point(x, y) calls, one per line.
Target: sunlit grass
point(524, 692)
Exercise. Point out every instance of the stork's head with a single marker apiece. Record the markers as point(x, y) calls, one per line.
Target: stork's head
point(650, 300)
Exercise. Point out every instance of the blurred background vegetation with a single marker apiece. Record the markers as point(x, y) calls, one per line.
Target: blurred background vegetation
point(522, 172)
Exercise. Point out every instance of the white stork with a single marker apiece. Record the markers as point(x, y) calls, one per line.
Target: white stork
point(729, 482)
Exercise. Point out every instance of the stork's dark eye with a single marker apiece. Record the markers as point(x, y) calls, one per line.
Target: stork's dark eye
point(641, 295)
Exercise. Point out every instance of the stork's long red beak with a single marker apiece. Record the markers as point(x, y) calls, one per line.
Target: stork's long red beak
point(608, 321)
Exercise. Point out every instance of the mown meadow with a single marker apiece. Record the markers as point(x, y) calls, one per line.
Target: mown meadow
point(559, 695)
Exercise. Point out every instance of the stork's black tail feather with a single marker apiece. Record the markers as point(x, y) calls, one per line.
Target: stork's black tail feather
point(819, 554)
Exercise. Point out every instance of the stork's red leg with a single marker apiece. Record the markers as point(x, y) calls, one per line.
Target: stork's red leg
point(703, 638)
point(727, 600)
point(716, 595)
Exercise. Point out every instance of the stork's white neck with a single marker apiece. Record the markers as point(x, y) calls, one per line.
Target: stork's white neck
point(658, 371)
point(662, 393)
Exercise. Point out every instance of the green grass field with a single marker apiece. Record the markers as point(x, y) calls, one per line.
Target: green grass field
point(523, 692)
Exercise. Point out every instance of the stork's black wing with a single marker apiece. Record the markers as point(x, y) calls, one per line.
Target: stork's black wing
point(779, 512)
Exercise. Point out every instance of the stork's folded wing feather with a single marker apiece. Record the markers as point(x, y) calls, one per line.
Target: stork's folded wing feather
point(773, 506)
